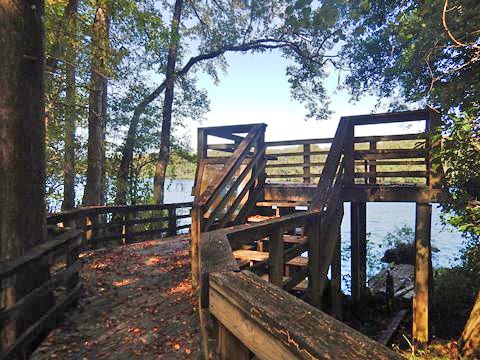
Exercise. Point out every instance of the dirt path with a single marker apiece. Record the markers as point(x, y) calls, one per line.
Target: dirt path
point(137, 303)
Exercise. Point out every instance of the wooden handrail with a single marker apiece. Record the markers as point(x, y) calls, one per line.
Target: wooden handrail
point(8, 268)
point(232, 165)
point(99, 210)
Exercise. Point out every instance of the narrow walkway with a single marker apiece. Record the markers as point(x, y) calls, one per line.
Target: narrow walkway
point(137, 303)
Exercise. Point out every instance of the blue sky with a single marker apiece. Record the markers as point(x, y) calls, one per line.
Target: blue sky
point(256, 90)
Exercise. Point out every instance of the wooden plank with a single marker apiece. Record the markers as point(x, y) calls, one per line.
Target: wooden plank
point(229, 347)
point(275, 261)
point(299, 142)
point(232, 190)
point(62, 278)
point(393, 194)
point(8, 268)
point(336, 277)
point(390, 117)
point(291, 176)
point(266, 319)
point(237, 129)
point(289, 192)
point(385, 174)
point(299, 153)
point(348, 155)
point(306, 160)
point(380, 154)
point(435, 174)
point(79, 213)
point(282, 203)
point(313, 230)
point(231, 165)
point(253, 255)
point(387, 334)
point(358, 223)
point(298, 277)
point(302, 164)
point(47, 321)
point(423, 273)
point(248, 187)
point(400, 137)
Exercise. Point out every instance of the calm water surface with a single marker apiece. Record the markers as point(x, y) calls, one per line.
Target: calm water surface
point(382, 218)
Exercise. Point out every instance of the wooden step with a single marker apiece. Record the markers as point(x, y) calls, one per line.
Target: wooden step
point(252, 255)
point(302, 286)
point(282, 203)
point(290, 239)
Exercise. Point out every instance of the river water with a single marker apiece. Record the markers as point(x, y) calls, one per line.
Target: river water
point(382, 218)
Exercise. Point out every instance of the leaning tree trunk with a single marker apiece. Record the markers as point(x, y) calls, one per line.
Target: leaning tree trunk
point(96, 121)
point(70, 110)
point(22, 152)
point(164, 156)
point(469, 343)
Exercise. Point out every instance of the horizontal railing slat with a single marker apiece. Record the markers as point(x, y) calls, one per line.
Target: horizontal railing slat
point(8, 268)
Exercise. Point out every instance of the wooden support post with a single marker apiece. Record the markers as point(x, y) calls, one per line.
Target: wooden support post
point(306, 160)
point(423, 266)
point(336, 282)
point(348, 150)
point(172, 221)
point(195, 233)
point(372, 165)
point(314, 281)
point(276, 261)
point(434, 179)
point(358, 223)
point(229, 347)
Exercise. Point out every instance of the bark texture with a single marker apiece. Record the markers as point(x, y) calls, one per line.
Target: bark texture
point(470, 341)
point(22, 148)
point(164, 155)
point(70, 109)
point(96, 121)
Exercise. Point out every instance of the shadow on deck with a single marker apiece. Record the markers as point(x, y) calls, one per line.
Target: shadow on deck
point(137, 302)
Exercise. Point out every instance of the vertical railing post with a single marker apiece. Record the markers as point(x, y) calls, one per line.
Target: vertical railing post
point(276, 261)
point(172, 221)
point(306, 164)
point(73, 253)
point(314, 280)
point(423, 273)
point(433, 128)
point(358, 222)
point(372, 165)
point(349, 160)
point(229, 347)
point(336, 283)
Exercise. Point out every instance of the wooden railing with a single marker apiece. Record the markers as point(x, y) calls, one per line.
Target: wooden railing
point(252, 316)
point(371, 160)
point(227, 192)
point(56, 263)
point(321, 224)
point(125, 224)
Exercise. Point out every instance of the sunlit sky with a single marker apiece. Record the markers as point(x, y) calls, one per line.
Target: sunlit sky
point(256, 90)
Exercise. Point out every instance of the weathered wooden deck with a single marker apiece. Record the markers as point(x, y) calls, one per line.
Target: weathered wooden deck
point(138, 300)
point(136, 303)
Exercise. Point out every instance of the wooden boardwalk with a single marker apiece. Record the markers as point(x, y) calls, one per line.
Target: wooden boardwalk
point(136, 303)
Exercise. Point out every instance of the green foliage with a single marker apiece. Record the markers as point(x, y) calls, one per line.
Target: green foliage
point(400, 235)
point(460, 155)
point(415, 52)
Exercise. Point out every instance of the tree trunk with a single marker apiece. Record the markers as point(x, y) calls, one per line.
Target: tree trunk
point(164, 156)
point(56, 55)
point(70, 110)
point(96, 121)
point(22, 150)
point(469, 343)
